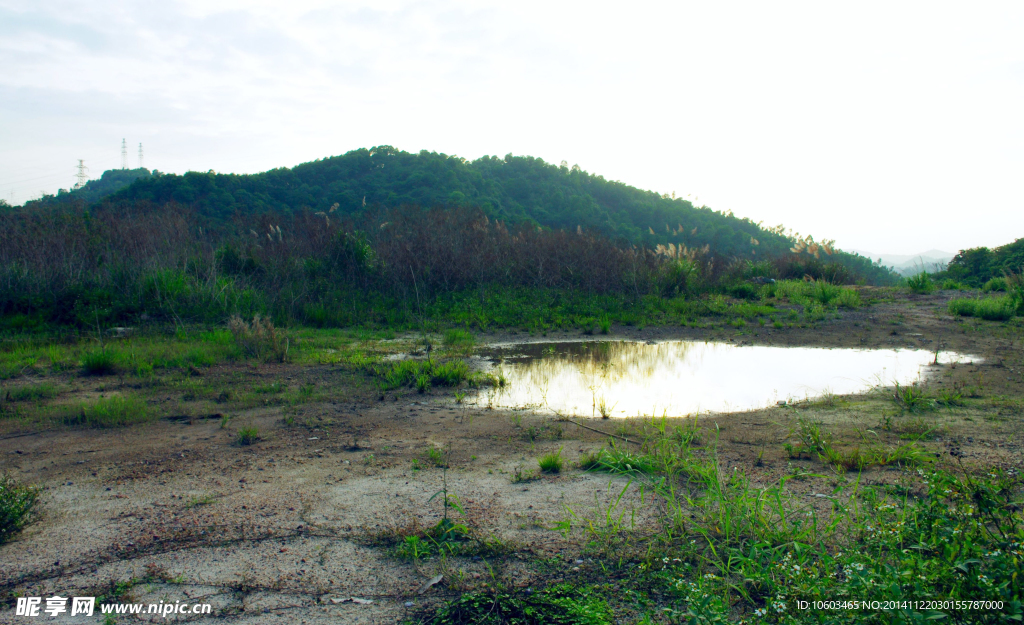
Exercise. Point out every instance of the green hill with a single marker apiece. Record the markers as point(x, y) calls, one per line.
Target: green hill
point(513, 189)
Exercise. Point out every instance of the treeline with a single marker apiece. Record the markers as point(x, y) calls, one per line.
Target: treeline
point(509, 189)
point(65, 267)
point(977, 266)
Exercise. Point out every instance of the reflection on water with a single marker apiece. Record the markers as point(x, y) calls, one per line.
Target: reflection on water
point(622, 378)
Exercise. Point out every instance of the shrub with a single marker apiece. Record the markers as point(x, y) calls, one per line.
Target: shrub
point(247, 436)
point(16, 503)
point(995, 284)
point(848, 298)
point(743, 290)
point(921, 283)
point(259, 339)
point(551, 463)
point(102, 361)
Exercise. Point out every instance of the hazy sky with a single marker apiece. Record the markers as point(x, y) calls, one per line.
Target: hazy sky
point(893, 127)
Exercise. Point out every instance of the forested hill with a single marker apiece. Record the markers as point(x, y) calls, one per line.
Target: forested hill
point(93, 191)
point(978, 265)
point(513, 189)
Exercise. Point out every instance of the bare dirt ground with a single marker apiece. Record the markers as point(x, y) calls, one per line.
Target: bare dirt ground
point(289, 529)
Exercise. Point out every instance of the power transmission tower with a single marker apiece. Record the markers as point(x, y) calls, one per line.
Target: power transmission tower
point(82, 176)
point(124, 154)
point(140, 156)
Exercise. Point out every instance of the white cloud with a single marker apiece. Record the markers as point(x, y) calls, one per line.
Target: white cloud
point(890, 127)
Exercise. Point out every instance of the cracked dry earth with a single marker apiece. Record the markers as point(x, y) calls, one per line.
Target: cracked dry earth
point(287, 529)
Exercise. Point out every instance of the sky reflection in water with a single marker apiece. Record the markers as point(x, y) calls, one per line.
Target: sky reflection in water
point(686, 377)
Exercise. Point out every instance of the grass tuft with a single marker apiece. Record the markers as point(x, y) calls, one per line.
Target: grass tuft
point(17, 502)
point(551, 463)
point(102, 361)
point(247, 436)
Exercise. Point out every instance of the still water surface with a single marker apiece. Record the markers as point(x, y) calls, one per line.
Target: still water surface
point(687, 377)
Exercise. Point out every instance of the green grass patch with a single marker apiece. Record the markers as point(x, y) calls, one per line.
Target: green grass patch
point(729, 551)
point(421, 374)
point(31, 392)
point(991, 309)
point(116, 411)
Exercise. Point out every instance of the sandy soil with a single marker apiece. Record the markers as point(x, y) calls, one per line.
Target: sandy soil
point(284, 530)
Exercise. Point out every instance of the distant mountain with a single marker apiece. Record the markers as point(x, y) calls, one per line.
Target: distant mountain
point(910, 264)
point(509, 188)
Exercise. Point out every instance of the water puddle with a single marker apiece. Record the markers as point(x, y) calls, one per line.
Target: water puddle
point(623, 378)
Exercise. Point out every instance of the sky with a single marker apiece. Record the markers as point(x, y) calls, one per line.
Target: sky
point(891, 127)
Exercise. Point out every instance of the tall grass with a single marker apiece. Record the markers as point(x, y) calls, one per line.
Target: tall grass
point(130, 265)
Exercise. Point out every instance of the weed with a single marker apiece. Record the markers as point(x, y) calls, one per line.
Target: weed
point(459, 396)
point(423, 383)
point(200, 500)
point(17, 502)
point(551, 463)
point(247, 436)
point(911, 398)
point(604, 324)
point(518, 476)
point(437, 457)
